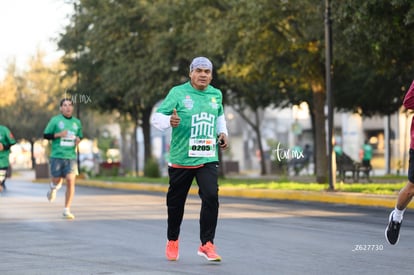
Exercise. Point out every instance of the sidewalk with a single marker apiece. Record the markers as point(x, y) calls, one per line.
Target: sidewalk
point(23, 174)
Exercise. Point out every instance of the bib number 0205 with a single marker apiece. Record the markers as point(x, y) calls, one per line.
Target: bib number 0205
point(202, 147)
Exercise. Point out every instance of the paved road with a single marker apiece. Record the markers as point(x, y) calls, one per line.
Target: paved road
point(123, 232)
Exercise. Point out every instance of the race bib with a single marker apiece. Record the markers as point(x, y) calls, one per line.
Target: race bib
point(202, 147)
point(68, 141)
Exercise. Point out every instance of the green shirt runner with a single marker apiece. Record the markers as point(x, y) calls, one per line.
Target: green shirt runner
point(64, 148)
point(194, 141)
point(7, 139)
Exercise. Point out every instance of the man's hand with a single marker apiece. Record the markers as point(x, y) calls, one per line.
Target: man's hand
point(174, 119)
point(1, 147)
point(77, 141)
point(64, 133)
point(223, 143)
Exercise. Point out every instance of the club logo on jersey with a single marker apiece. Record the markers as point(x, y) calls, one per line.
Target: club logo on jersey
point(74, 126)
point(61, 125)
point(213, 103)
point(188, 102)
point(202, 125)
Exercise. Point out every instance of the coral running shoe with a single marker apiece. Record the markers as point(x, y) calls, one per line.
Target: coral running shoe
point(208, 251)
point(171, 250)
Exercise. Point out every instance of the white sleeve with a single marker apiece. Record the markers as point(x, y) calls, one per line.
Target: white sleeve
point(221, 125)
point(160, 121)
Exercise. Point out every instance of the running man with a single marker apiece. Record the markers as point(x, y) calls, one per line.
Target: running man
point(65, 132)
point(195, 112)
point(392, 232)
point(367, 152)
point(7, 140)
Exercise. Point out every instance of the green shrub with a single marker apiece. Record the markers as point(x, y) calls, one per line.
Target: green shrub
point(151, 169)
point(109, 169)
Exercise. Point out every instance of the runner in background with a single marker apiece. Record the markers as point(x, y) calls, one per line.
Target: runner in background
point(65, 132)
point(392, 232)
point(366, 152)
point(7, 140)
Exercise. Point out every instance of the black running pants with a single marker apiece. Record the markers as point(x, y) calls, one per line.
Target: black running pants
point(180, 183)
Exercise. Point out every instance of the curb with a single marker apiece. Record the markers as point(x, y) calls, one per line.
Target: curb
point(386, 201)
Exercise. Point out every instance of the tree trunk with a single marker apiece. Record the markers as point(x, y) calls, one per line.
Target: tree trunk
point(32, 154)
point(312, 117)
point(146, 130)
point(256, 129)
point(126, 147)
point(320, 132)
point(135, 150)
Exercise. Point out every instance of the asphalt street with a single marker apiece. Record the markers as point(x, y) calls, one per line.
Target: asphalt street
point(124, 232)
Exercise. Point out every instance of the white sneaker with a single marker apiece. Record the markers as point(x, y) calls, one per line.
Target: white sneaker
point(67, 215)
point(51, 194)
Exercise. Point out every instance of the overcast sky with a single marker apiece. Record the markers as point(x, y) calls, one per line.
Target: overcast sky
point(28, 25)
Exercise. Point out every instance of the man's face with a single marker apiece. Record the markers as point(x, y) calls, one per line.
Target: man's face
point(201, 78)
point(67, 108)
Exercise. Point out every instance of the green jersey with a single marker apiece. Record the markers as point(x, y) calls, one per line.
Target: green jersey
point(7, 139)
point(64, 147)
point(194, 141)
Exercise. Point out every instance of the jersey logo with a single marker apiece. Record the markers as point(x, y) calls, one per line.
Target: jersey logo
point(188, 102)
point(202, 125)
point(213, 103)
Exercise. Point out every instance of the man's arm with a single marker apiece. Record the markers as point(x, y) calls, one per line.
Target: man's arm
point(49, 136)
point(409, 98)
point(6, 146)
point(55, 135)
point(9, 141)
point(222, 132)
point(160, 121)
point(222, 125)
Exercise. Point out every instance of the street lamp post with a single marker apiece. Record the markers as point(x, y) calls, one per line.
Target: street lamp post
point(328, 75)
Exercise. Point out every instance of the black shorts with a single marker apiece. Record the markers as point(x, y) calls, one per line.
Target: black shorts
point(411, 166)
